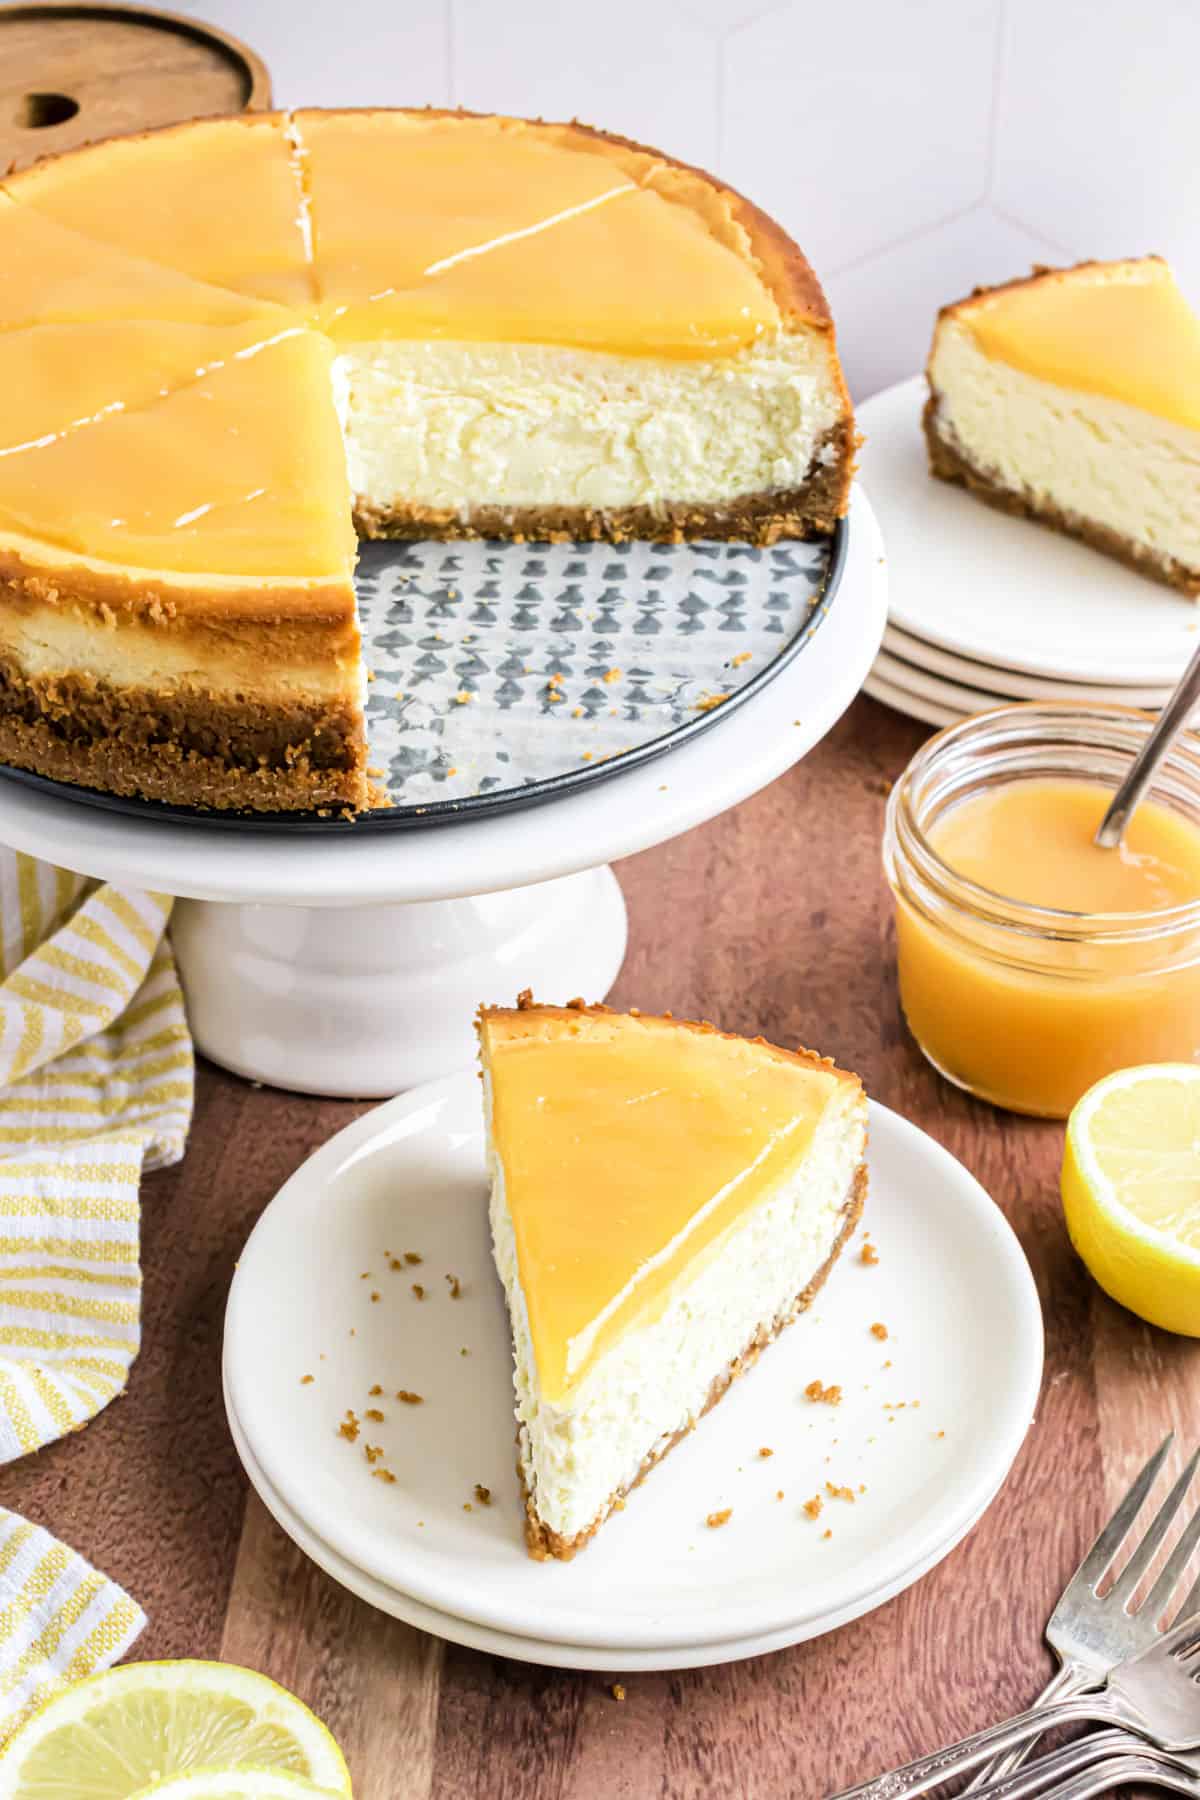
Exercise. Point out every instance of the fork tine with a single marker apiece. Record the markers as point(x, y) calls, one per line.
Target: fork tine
point(1123, 1588)
point(1159, 1597)
point(1191, 1604)
point(1098, 1559)
point(1181, 1641)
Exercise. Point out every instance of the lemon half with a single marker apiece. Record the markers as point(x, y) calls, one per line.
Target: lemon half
point(115, 1734)
point(1131, 1190)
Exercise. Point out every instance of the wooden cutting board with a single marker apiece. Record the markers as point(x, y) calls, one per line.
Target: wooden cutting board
point(72, 73)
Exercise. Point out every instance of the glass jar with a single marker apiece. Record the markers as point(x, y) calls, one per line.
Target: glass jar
point(1028, 1006)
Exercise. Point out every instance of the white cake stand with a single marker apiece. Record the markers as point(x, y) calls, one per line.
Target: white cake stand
point(352, 966)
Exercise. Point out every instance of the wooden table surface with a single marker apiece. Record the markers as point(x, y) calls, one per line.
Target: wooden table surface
point(774, 918)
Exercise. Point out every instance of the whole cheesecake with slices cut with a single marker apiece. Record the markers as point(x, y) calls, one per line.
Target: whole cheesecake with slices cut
point(394, 323)
point(665, 1198)
point(1072, 397)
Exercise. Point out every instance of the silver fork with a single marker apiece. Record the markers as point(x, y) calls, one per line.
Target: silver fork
point(1090, 1635)
point(1155, 1694)
point(1110, 1752)
point(1121, 1771)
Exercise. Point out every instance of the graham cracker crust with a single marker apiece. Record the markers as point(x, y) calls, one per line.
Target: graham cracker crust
point(186, 748)
point(811, 510)
point(542, 1543)
point(947, 463)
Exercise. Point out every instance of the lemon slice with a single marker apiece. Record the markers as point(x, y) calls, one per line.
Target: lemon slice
point(1131, 1190)
point(111, 1736)
point(236, 1784)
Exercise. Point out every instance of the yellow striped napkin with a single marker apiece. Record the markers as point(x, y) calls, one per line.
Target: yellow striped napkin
point(96, 1081)
point(59, 1619)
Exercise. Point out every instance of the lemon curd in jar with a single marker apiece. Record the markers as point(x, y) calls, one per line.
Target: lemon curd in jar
point(1031, 962)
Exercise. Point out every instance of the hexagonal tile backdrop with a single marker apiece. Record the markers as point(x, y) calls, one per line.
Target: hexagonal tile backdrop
point(913, 150)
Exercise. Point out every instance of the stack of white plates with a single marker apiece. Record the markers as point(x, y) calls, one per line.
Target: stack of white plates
point(415, 1506)
point(986, 609)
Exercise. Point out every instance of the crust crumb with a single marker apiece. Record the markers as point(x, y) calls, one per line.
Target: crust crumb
point(383, 1475)
point(869, 1255)
point(305, 1379)
point(349, 1427)
point(409, 1398)
point(483, 1494)
point(766, 1451)
point(715, 1520)
point(375, 1416)
point(813, 1507)
point(839, 1493)
point(823, 1396)
point(879, 1331)
point(617, 1690)
point(418, 1291)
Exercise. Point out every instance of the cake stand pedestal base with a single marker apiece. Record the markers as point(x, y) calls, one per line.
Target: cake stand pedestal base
point(365, 1001)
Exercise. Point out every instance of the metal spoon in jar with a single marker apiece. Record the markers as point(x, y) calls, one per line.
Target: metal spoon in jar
point(1171, 721)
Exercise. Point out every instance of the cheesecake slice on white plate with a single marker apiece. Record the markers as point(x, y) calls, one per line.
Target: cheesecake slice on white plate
point(665, 1199)
point(1073, 397)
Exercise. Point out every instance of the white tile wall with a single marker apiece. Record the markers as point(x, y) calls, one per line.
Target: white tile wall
point(914, 147)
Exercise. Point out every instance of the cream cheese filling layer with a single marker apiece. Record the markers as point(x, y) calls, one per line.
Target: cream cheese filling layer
point(1102, 460)
point(456, 426)
point(656, 1380)
point(50, 641)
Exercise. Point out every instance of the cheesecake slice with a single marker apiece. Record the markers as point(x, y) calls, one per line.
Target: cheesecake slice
point(548, 332)
point(665, 1199)
point(177, 608)
point(1073, 397)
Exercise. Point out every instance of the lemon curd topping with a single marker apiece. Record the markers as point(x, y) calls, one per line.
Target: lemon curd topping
point(238, 471)
point(1029, 1013)
point(54, 275)
point(626, 1156)
point(219, 200)
point(1034, 841)
point(1122, 330)
point(513, 237)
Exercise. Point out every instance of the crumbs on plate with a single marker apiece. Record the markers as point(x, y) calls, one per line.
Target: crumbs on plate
point(715, 1520)
point(823, 1396)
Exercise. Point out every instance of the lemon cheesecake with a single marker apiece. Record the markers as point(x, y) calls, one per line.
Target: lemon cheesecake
point(665, 1199)
point(230, 346)
point(1073, 397)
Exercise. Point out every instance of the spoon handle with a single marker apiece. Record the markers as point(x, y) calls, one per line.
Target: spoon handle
point(1174, 716)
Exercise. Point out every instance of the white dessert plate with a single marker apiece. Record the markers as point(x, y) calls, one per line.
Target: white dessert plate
point(951, 694)
point(409, 1178)
point(1002, 590)
point(1010, 682)
point(901, 700)
point(613, 1661)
